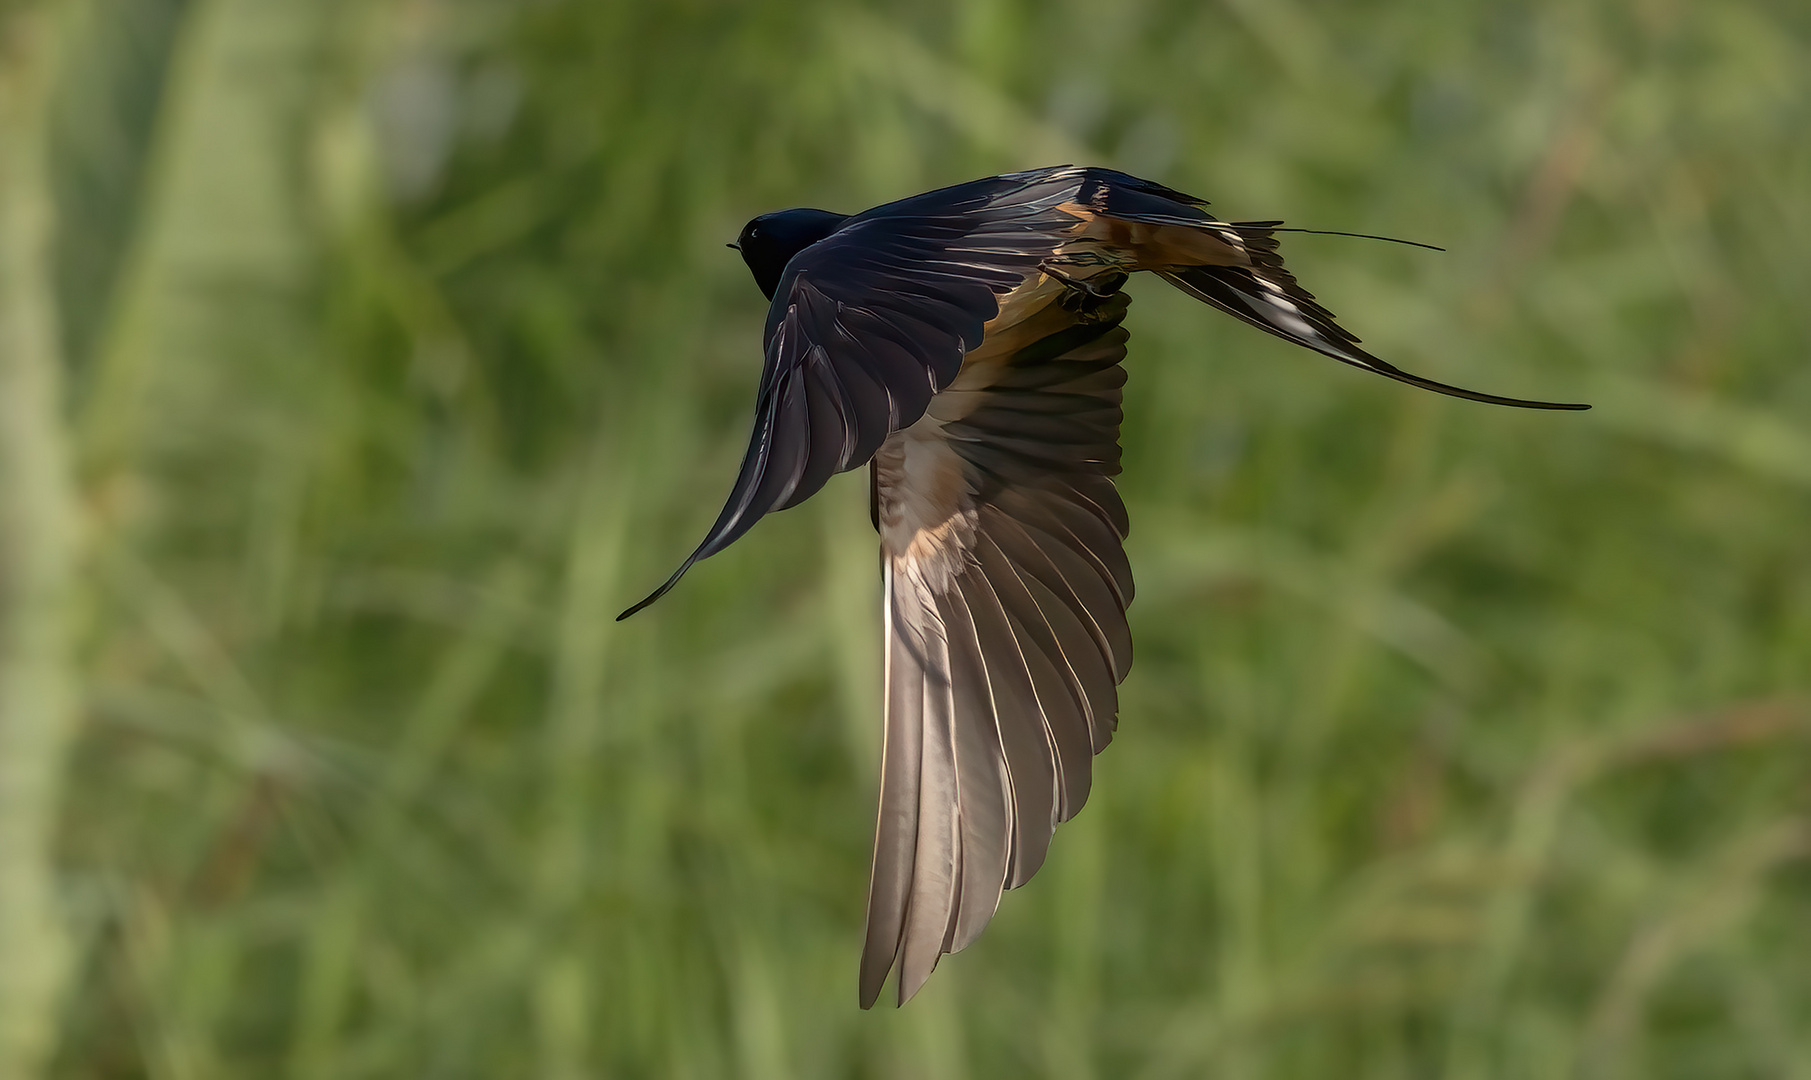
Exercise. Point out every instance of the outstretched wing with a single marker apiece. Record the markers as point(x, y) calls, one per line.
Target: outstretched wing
point(870, 322)
point(1006, 594)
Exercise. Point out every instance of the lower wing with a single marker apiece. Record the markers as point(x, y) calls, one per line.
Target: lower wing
point(1006, 592)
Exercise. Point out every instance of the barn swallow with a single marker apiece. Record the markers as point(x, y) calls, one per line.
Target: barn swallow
point(966, 344)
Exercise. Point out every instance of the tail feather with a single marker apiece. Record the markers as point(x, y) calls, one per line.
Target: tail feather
point(1266, 296)
point(1256, 288)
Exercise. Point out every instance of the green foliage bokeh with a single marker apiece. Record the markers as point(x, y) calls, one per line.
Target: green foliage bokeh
point(404, 352)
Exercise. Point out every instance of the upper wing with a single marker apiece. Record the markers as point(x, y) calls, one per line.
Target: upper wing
point(868, 323)
point(1006, 593)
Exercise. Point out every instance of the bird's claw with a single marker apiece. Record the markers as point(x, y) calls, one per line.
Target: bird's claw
point(1081, 293)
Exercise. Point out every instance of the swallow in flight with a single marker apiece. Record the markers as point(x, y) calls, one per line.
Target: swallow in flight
point(965, 345)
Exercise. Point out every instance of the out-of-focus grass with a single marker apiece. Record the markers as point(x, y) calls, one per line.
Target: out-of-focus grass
point(404, 353)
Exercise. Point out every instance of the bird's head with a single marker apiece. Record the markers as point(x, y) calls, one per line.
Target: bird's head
point(770, 241)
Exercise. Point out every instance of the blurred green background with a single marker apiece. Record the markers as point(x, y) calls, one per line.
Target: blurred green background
point(399, 351)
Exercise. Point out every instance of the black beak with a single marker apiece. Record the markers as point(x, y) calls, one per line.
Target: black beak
point(733, 244)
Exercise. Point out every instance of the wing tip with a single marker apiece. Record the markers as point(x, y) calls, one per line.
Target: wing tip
point(874, 979)
point(913, 977)
point(874, 971)
point(907, 990)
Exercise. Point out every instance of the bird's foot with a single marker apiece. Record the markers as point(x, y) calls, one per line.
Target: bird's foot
point(1083, 293)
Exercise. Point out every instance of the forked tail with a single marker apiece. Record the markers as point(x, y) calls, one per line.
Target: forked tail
point(1266, 295)
point(1235, 267)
